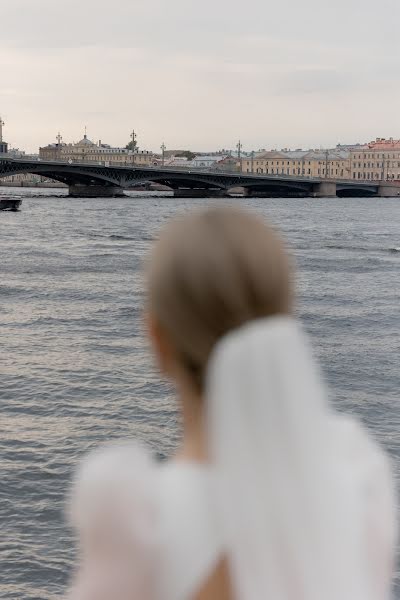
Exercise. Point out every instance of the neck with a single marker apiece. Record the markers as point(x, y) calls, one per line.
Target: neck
point(194, 443)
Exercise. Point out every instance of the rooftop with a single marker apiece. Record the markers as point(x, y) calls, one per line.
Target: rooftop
point(85, 142)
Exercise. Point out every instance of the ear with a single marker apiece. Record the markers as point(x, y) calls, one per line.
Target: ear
point(161, 347)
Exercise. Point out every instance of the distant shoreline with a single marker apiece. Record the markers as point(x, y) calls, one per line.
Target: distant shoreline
point(19, 184)
point(153, 187)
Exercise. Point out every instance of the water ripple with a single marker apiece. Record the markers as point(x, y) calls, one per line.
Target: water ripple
point(76, 369)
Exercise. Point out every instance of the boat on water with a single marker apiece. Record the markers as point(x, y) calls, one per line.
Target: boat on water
point(11, 204)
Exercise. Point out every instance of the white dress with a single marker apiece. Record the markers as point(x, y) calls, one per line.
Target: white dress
point(152, 531)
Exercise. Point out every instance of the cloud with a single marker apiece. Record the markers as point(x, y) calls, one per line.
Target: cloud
point(200, 74)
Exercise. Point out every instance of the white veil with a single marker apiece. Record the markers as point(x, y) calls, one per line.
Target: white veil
point(289, 508)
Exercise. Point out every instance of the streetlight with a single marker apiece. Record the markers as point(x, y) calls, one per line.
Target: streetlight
point(239, 146)
point(163, 149)
point(59, 140)
point(133, 136)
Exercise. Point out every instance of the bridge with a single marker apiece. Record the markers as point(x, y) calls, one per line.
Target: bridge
point(102, 180)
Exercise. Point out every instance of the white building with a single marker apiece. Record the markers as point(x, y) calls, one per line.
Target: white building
point(207, 161)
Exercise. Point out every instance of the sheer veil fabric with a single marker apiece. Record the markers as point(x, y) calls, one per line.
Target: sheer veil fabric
point(292, 504)
point(302, 498)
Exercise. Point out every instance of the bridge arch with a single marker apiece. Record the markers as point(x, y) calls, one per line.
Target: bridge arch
point(60, 172)
point(274, 187)
point(352, 190)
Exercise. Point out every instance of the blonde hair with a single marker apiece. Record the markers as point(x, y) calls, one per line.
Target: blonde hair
point(211, 272)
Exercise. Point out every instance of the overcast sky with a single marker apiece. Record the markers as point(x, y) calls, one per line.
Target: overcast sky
point(200, 74)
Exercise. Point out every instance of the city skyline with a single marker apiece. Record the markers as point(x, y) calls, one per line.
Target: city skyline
point(59, 139)
point(200, 76)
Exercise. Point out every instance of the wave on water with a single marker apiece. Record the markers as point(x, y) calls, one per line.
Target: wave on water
point(119, 237)
point(76, 368)
point(353, 248)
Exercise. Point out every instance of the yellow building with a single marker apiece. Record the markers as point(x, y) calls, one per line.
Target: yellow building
point(334, 164)
point(88, 151)
point(378, 160)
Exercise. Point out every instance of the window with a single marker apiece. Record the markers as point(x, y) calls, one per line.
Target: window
point(354, 175)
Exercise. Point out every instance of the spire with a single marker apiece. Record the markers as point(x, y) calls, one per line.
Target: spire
point(85, 136)
point(59, 138)
point(1, 129)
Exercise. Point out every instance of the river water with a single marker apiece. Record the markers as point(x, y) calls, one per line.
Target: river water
point(76, 369)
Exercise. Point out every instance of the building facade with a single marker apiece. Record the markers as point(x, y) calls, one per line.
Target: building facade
point(207, 161)
point(378, 160)
point(333, 164)
point(88, 151)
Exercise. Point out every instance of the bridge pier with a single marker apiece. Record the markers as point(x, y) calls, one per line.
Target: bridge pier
point(325, 189)
point(78, 190)
point(199, 193)
point(387, 190)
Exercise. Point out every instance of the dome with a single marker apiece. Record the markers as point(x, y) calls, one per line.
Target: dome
point(85, 142)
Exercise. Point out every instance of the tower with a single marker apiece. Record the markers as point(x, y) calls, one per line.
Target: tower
point(3, 145)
